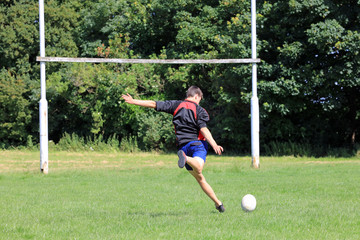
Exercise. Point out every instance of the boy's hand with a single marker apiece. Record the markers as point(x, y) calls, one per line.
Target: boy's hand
point(142, 103)
point(218, 149)
point(128, 98)
point(207, 134)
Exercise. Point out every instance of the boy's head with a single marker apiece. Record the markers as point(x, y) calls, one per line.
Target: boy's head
point(193, 91)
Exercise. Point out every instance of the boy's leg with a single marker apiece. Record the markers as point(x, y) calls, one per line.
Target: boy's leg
point(197, 164)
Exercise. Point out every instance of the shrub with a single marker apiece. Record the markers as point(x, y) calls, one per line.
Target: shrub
point(156, 131)
point(129, 144)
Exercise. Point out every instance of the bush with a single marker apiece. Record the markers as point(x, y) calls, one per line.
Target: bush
point(156, 131)
point(15, 115)
point(72, 142)
point(129, 144)
point(288, 149)
point(276, 148)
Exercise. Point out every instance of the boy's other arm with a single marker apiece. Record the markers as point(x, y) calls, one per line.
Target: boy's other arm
point(207, 134)
point(142, 103)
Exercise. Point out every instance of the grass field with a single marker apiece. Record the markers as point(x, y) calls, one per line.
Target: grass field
point(146, 196)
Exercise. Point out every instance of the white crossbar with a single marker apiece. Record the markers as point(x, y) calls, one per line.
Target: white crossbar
point(160, 61)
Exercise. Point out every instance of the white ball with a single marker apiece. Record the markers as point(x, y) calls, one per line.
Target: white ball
point(248, 203)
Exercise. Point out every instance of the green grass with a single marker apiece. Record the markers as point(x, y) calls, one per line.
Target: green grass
point(146, 196)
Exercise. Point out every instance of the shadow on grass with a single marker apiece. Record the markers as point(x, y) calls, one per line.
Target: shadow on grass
point(168, 213)
point(158, 214)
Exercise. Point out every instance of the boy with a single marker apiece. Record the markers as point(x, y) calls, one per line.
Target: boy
point(191, 132)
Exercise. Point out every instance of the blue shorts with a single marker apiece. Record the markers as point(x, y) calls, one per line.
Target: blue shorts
point(195, 149)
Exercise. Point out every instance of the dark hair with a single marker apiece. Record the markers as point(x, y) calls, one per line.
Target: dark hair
point(193, 90)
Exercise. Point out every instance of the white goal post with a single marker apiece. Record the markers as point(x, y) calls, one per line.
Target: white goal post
point(43, 104)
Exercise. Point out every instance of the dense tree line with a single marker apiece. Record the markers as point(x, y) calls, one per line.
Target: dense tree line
point(309, 86)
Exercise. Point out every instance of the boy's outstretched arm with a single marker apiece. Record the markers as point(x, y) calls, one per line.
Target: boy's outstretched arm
point(142, 103)
point(207, 134)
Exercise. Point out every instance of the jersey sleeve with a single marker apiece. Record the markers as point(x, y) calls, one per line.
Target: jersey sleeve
point(168, 106)
point(203, 118)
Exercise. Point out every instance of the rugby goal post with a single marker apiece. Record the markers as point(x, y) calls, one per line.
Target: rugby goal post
point(43, 104)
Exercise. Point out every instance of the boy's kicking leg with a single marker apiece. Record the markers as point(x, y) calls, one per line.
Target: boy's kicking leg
point(197, 165)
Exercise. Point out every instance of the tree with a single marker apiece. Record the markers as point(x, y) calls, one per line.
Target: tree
point(311, 73)
point(19, 46)
point(14, 113)
point(308, 78)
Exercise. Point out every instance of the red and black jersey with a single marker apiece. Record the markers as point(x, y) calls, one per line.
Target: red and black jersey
point(188, 119)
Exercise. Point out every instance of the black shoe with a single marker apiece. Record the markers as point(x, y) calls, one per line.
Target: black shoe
point(182, 158)
point(220, 208)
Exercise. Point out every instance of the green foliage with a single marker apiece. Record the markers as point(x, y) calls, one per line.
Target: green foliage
point(75, 143)
point(156, 131)
point(18, 35)
point(129, 144)
point(72, 142)
point(289, 149)
point(308, 79)
point(29, 143)
point(14, 112)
